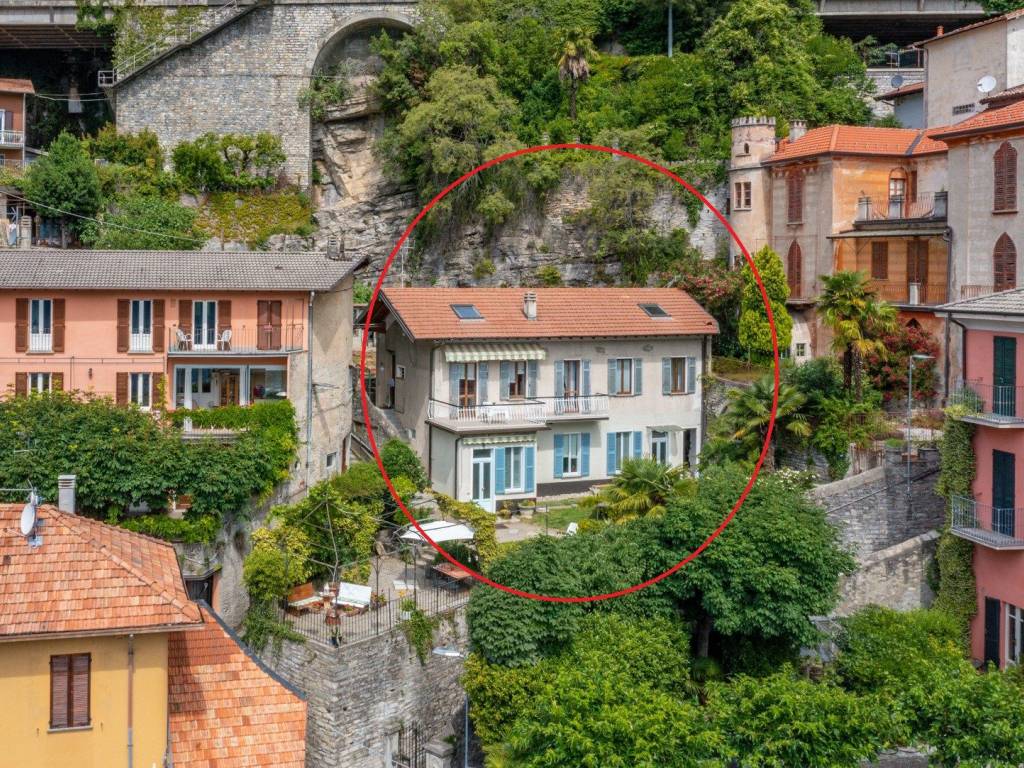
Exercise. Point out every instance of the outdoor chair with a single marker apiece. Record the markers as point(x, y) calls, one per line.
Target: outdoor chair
point(224, 342)
point(182, 339)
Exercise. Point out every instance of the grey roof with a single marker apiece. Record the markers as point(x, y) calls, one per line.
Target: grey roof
point(172, 270)
point(1009, 302)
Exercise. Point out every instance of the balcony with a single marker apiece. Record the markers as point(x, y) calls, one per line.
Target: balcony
point(911, 294)
point(512, 414)
point(10, 139)
point(973, 291)
point(989, 404)
point(925, 208)
point(993, 527)
point(237, 340)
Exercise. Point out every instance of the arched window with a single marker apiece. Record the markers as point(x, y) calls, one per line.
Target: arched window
point(1004, 264)
point(1004, 178)
point(794, 269)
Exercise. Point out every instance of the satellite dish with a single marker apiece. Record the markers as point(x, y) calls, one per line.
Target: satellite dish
point(897, 81)
point(28, 518)
point(987, 84)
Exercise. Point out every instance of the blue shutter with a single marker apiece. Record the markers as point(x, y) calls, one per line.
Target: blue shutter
point(559, 378)
point(638, 445)
point(499, 470)
point(638, 376)
point(481, 383)
point(558, 456)
point(453, 383)
point(531, 378)
point(691, 374)
point(528, 459)
point(611, 454)
point(666, 375)
point(611, 376)
point(586, 377)
point(505, 369)
point(585, 454)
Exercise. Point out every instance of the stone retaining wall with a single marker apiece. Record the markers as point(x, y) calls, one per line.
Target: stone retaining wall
point(895, 577)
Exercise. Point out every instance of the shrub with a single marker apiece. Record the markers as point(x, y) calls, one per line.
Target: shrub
point(328, 88)
point(402, 461)
point(124, 148)
point(144, 223)
point(234, 161)
point(278, 561)
point(64, 179)
point(549, 276)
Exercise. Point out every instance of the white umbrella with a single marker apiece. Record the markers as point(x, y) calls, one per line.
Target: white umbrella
point(439, 531)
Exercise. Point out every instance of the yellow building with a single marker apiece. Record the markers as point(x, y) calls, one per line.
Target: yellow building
point(104, 658)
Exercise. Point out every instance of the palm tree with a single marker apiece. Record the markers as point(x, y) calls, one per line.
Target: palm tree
point(642, 487)
point(852, 309)
point(573, 65)
point(743, 425)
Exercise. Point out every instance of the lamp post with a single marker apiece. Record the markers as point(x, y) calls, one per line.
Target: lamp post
point(455, 653)
point(910, 409)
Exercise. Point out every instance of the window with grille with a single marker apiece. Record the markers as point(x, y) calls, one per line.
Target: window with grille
point(69, 691)
point(1004, 264)
point(795, 198)
point(794, 269)
point(1004, 197)
point(880, 261)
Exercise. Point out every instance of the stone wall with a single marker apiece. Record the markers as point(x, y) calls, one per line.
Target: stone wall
point(361, 693)
point(896, 577)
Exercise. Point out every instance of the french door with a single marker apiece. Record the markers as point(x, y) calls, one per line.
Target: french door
point(204, 324)
point(992, 631)
point(483, 478)
point(1004, 376)
point(1004, 492)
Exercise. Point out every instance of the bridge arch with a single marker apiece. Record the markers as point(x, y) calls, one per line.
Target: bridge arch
point(328, 46)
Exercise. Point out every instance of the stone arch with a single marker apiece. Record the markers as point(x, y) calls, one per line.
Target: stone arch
point(354, 24)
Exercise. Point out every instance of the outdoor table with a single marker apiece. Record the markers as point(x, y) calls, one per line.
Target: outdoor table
point(454, 575)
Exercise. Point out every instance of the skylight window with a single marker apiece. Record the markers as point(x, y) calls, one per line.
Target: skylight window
point(653, 310)
point(466, 312)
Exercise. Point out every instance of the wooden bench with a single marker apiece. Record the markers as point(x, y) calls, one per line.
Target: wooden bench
point(302, 598)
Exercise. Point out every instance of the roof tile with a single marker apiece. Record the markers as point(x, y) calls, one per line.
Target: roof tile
point(859, 140)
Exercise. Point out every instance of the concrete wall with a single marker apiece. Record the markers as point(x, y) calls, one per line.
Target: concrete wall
point(954, 65)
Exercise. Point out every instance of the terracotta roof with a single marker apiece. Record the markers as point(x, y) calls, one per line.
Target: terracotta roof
point(225, 708)
point(86, 577)
point(561, 313)
point(903, 90)
point(992, 119)
point(14, 85)
point(969, 27)
point(858, 140)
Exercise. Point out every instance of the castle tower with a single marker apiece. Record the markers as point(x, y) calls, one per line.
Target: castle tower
point(753, 141)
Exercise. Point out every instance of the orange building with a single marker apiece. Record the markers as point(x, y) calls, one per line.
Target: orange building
point(13, 126)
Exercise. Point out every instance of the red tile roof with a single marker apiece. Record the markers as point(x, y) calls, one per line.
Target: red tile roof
point(858, 140)
point(903, 90)
point(993, 119)
point(226, 710)
point(561, 313)
point(86, 577)
point(13, 85)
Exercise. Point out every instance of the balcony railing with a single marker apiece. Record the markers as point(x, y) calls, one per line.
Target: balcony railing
point(993, 404)
point(974, 291)
point(237, 340)
point(913, 294)
point(995, 527)
point(926, 206)
point(532, 411)
point(40, 342)
point(12, 138)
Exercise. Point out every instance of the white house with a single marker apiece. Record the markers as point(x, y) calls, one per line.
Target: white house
point(509, 395)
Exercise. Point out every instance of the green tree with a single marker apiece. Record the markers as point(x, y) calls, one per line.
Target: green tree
point(576, 52)
point(642, 487)
point(402, 461)
point(278, 561)
point(755, 331)
point(63, 184)
point(144, 223)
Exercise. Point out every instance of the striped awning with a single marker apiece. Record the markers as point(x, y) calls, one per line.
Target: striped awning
point(474, 353)
point(500, 440)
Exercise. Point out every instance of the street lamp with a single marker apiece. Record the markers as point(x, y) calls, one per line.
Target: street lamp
point(910, 409)
point(455, 653)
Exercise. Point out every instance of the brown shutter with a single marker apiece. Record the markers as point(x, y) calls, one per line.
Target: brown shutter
point(121, 393)
point(263, 324)
point(58, 325)
point(912, 187)
point(223, 318)
point(1004, 178)
point(880, 261)
point(60, 673)
point(80, 690)
point(20, 384)
point(21, 325)
point(57, 382)
point(158, 391)
point(795, 193)
point(185, 315)
point(275, 325)
point(1004, 264)
point(794, 269)
point(123, 313)
point(158, 325)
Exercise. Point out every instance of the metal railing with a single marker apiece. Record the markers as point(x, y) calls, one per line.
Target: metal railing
point(972, 291)
point(911, 293)
point(12, 138)
point(236, 340)
point(1001, 403)
point(925, 206)
point(997, 527)
point(516, 411)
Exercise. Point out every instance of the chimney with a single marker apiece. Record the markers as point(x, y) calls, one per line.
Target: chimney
point(939, 31)
point(66, 493)
point(25, 232)
point(530, 305)
point(797, 128)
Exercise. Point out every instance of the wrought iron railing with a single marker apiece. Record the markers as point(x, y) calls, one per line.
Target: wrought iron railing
point(985, 524)
point(1003, 403)
point(924, 206)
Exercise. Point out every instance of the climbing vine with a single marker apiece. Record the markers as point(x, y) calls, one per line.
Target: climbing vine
point(419, 629)
point(481, 521)
point(956, 589)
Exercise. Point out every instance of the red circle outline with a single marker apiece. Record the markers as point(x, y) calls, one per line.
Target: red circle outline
point(366, 334)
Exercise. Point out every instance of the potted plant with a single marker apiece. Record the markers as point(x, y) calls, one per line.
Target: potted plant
point(378, 600)
point(405, 608)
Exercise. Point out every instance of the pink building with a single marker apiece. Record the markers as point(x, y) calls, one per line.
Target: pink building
point(992, 328)
point(191, 329)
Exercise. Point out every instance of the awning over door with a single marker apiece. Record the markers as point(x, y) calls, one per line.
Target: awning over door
point(474, 353)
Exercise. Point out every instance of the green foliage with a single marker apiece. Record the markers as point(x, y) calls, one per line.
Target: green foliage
point(955, 556)
point(549, 276)
point(485, 535)
point(262, 626)
point(642, 487)
point(277, 416)
point(887, 371)
point(63, 183)
point(229, 162)
point(278, 561)
point(717, 288)
point(483, 269)
point(191, 529)
point(144, 223)
point(995, 7)
point(402, 461)
point(328, 88)
point(754, 329)
point(124, 148)
point(419, 632)
point(252, 218)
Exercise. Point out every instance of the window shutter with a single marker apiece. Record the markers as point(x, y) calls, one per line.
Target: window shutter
point(880, 261)
point(57, 382)
point(559, 450)
point(585, 454)
point(275, 324)
point(666, 375)
point(691, 375)
point(585, 365)
point(121, 392)
point(794, 269)
point(531, 378)
point(223, 318)
point(481, 383)
point(638, 376)
point(611, 454)
point(185, 315)
point(20, 384)
point(559, 378)
point(159, 323)
point(454, 369)
point(263, 324)
point(60, 673)
point(80, 690)
point(21, 325)
point(499, 470)
point(1004, 173)
point(58, 325)
point(611, 376)
point(123, 327)
point(159, 395)
point(638, 445)
point(529, 473)
point(505, 373)
point(795, 193)
point(1004, 264)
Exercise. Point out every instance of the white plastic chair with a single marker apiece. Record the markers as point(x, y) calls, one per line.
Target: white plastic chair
point(224, 342)
point(573, 529)
point(183, 340)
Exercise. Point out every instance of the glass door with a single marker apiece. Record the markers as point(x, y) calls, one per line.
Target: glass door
point(204, 324)
point(483, 478)
point(659, 446)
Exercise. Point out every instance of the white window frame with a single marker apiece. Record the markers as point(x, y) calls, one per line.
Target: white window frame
point(660, 443)
point(1014, 634)
point(40, 325)
point(800, 349)
point(203, 310)
point(40, 382)
point(624, 371)
point(140, 389)
point(515, 468)
point(620, 454)
point(572, 454)
point(140, 325)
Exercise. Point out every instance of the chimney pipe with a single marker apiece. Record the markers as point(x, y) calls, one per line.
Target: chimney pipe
point(66, 493)
point(940, 31)
point(797, 128)
point(530, 305)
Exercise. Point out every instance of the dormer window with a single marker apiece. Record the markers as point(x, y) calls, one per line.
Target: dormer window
point(466, 312)
point(654, 310)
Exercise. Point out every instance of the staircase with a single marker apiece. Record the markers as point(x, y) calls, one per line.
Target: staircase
point(216, 18)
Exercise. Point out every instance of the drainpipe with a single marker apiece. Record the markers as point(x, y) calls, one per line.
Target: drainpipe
point(131, 686)
point(309, 384)
point(430, 428)
point(948, 237)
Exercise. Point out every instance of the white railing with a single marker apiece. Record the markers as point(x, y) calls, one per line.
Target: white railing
point(140, 342)
point(586, 405)
point(40, 342)
point(16, 138)
point(487, 413)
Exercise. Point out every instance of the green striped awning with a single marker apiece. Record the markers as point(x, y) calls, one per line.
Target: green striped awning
point(500, 440)
point(474, 353)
